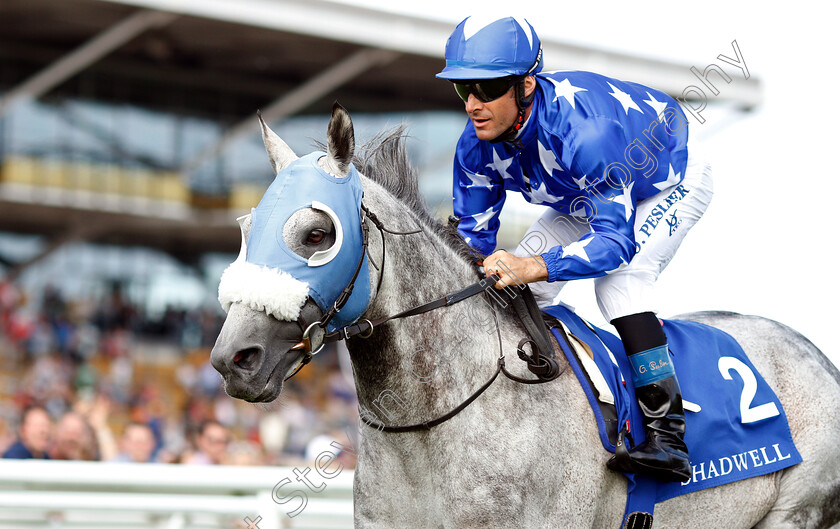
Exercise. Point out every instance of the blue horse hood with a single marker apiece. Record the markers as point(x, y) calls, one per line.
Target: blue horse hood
point(268, 276)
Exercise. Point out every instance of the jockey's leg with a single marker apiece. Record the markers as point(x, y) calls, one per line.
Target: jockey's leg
point(550, 230)
point(625, 298)
point(663, 453)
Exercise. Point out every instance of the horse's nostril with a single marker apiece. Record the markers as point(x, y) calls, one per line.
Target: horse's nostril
point(247, 358)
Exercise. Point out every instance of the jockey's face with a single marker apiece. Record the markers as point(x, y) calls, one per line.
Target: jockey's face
point(494, 118)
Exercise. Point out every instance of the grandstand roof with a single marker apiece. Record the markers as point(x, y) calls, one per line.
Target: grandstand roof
point(254, 51)
point(228, 58)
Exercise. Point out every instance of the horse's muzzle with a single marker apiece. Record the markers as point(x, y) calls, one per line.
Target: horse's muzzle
point(254, 352)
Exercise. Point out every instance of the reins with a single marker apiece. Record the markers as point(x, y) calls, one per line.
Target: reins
point(540, 362)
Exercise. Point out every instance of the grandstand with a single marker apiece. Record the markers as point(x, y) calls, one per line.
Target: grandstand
point(128, 145)
point(147, 115)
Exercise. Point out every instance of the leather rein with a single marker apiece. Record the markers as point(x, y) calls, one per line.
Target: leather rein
point(540, 362)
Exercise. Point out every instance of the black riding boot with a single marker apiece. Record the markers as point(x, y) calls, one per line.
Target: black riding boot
point(663, 454)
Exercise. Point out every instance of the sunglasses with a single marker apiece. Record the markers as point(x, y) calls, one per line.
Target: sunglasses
point(485, 90)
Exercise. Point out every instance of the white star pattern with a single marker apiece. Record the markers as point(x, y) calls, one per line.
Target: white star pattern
point(673, 179)
point(482, 220)
point(626, 199)
point(657, 106)
point(523, 25)
point(625, 99)
point(577, 249)
point(500, 166)
point(581, 182)
point(478, 180)
point(476, 23)
point(566, 90)
point(547, 159)
point(540, 195)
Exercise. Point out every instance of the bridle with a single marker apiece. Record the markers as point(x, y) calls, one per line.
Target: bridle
point(540, 362)
point(320, 325)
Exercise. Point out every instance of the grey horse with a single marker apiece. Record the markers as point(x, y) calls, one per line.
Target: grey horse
point(519, 456)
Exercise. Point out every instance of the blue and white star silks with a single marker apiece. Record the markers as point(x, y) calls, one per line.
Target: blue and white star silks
point(625, 198)
point(592, 147)
point(541, 195)
point(673, 179)
point(657, 106)
point(478, 180)
point(500, 165)
point(482, 220)
point(577, 249)
point(565, 90)
point(625, 99)
point(581, 182)
point(548, 160)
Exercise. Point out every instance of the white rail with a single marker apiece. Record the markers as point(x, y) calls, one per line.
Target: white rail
point(72, 494)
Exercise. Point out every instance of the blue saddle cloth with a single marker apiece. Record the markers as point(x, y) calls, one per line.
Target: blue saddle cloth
point(741, 429)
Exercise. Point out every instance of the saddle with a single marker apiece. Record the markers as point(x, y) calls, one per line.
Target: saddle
point(543, 362)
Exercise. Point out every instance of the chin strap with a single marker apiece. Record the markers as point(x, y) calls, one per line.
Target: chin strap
point(523, 102)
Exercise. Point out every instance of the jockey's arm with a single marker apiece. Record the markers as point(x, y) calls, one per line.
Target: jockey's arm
point(595, 254)
point(609, 208)
point(478, 197)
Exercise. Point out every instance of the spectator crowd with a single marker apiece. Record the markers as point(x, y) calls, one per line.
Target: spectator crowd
point(99, 382)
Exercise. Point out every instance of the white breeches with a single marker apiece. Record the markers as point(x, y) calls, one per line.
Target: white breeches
point(662, 221)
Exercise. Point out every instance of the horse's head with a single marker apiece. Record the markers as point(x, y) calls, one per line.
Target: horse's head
point(301, 246)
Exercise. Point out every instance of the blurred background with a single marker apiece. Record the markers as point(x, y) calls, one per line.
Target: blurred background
point(129, 145)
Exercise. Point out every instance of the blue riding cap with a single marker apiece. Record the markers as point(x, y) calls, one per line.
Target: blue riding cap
point(485, 49)
point(269, 276)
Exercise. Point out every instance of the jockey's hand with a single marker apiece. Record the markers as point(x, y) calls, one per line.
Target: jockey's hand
point(514, 270)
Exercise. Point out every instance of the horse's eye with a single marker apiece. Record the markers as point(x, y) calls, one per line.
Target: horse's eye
point(316, 237)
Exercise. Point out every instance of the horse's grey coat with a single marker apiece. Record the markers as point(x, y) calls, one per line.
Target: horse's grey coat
point(521, 456)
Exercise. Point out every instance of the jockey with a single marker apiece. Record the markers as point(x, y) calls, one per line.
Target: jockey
point(611, 161)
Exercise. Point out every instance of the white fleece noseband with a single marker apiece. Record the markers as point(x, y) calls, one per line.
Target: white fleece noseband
point(265, 289)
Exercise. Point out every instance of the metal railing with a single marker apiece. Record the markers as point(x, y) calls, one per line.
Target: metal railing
point(56, 494)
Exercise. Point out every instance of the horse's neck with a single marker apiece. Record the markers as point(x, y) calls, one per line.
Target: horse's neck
point(415, 368)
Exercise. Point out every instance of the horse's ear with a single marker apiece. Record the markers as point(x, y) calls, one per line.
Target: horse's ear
point(341, 141)
point(245, 228)
point(280, 154)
